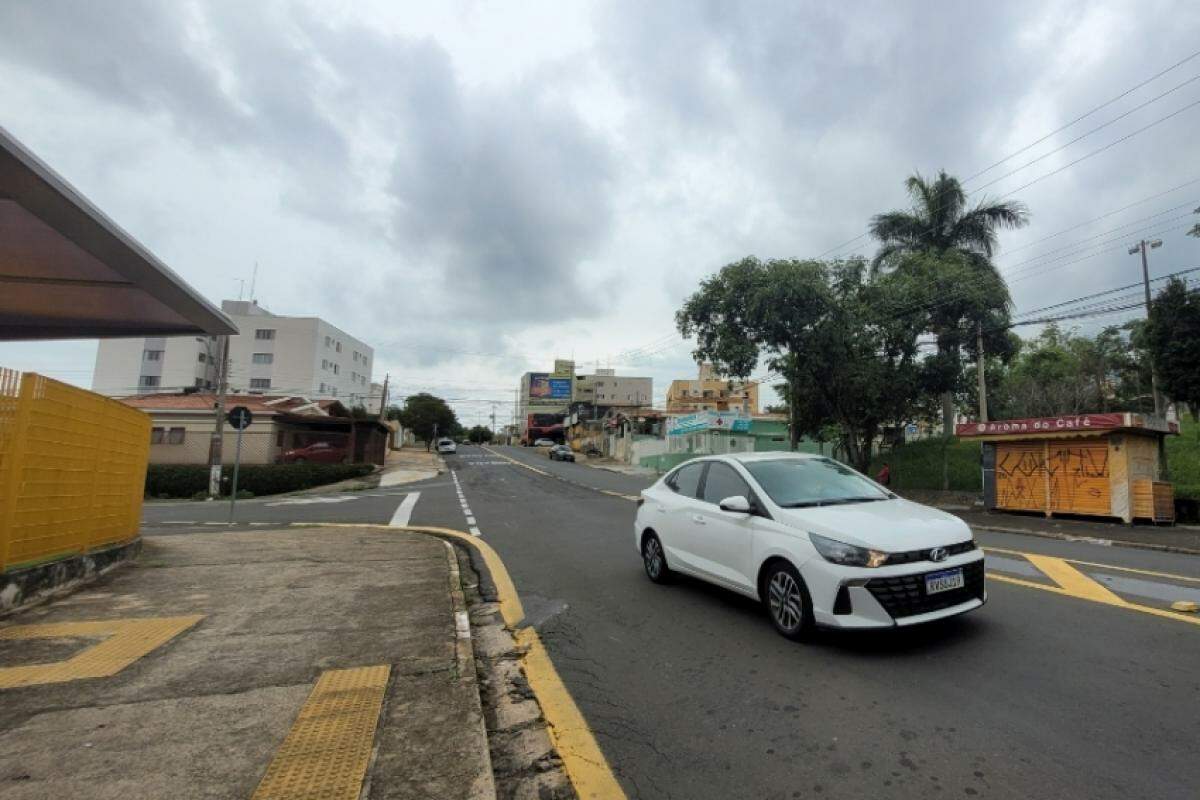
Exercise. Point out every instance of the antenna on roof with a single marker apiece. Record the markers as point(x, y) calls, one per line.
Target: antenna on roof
point(253, 280)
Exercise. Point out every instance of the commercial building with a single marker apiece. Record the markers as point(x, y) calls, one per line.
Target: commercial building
point(710, 392)
point(606, 389)
point(272, 354)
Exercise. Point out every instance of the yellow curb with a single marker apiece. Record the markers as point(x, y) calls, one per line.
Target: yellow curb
point(1185, 605)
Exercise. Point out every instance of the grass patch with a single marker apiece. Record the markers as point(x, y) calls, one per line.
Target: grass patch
point(918, 465)
point(1183, 459)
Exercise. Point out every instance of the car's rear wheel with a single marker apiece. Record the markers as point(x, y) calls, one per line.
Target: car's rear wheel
point(787, 601)
point(654, 559)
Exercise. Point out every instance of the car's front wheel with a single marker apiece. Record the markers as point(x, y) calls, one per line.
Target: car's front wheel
point(787, 601)
point(654, 559)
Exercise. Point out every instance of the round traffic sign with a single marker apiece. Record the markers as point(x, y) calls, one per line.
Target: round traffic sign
point(240, 417)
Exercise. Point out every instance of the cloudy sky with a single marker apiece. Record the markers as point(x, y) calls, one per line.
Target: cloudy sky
point(477, 188)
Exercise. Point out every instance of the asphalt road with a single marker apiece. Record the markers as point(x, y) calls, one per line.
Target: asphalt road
point(692, 694)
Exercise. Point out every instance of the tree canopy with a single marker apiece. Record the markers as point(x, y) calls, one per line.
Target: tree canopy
point(479, 434)
point(427, 417)
point(1173, 339)
point(819, 325)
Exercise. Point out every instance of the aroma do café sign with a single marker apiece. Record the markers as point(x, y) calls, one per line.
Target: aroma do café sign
point(1075, 422)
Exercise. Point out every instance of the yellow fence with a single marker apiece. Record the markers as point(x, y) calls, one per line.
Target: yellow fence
point(72, 470)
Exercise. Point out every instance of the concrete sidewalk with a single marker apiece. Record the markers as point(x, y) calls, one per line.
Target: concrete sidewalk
point(300, 662)
point(1173, 538)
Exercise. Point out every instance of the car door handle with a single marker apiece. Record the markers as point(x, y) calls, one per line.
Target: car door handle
point(698, 519)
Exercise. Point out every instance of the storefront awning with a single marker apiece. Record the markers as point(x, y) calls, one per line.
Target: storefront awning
point(69, 272)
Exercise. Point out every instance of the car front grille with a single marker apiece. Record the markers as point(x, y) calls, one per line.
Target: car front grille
point(911, 556)
point(904, 595)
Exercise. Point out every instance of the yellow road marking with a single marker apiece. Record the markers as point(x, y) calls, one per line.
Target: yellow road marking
point(1073, 581)
point(127, 641)
point(515, 461)
point(631, 497)
point(326, 753)
point(574, 740)
point(585, 763)
point(1134, 570)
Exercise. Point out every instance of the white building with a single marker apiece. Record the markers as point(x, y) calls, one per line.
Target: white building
point(271, 354)
point(606, 388)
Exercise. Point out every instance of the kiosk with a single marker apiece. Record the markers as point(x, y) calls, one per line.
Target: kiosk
point(1104, 465)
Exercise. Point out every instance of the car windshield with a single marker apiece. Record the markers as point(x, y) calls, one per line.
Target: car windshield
point(800, 482)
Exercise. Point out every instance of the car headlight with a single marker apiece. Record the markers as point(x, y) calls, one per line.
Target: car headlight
point(848, 555)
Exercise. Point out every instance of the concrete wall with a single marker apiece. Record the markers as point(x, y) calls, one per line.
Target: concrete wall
point(259, 441)
point(121, 364)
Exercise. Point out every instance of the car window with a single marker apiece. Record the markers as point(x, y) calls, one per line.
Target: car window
point(723, 481)
point(687, 480)
point(799, 482)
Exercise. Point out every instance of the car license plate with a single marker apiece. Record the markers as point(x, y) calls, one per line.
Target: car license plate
point(944, 581)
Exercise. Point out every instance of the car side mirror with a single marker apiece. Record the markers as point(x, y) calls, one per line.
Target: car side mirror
point(736, 505)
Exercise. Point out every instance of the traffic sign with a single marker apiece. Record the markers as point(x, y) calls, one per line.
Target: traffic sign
point(240, 417)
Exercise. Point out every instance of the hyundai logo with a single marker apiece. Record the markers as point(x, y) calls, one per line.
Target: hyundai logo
point(939, 554)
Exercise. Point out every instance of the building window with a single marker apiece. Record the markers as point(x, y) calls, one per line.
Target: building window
point(279, 439)
point(335, 369)
point(338, 346)
point(333, 390)
point(149, 380)
point(153, 355)
point(201, 358)
point(322, 388)
point(156, 436)
point(199, 383)
point(260, 383)
point(264, 334)
point(263, 358)
point(329, 341)
point(175, 436)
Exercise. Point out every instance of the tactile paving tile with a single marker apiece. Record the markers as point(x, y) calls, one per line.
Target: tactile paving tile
point(326, 753)
point(128, 640)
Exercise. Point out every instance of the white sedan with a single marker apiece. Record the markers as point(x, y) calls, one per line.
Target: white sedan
point(815, 541)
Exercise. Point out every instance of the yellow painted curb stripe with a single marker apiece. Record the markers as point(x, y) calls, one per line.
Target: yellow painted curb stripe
point(127, 641)
point(1114, 567)
point(326, 753)
point(585, 763)
point(574, 740)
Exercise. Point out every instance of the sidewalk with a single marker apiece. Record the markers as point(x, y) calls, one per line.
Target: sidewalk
point(408, 465)
point(1176, 539)
point(264, 664)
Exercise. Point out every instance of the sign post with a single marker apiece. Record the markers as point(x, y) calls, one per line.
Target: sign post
point(240, 419)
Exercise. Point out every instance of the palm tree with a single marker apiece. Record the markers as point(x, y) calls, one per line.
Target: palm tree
point(940, 221)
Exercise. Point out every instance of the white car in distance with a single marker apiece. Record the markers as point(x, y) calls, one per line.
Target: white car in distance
point(446, 446)
point(818, 543)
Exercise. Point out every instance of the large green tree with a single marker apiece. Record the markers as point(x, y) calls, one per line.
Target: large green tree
point(479, 434)
point(941, 223)
point(428, 417)
point(818, 324)
point(1173, 338)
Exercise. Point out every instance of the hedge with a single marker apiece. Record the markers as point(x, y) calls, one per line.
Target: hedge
point(188, 480)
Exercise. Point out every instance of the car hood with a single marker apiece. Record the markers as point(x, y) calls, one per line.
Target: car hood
point(889, 525)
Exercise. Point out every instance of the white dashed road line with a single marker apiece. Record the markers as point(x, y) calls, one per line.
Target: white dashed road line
point(466, 509)
point(404, 510)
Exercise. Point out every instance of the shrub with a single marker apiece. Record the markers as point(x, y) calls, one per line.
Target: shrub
point(191, 480)
point(918, 465)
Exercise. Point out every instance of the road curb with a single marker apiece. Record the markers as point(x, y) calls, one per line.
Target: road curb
point(1067, 537)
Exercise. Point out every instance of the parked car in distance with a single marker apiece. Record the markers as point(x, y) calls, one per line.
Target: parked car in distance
point(318, 453)
point(816, 542)
point(447, 446)
point(561, 452)
point(543, 443)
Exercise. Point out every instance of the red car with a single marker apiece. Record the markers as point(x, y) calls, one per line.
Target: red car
point(318, 453)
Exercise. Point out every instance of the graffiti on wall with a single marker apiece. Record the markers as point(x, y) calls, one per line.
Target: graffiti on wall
point(1077, 476)
point(1020, 479)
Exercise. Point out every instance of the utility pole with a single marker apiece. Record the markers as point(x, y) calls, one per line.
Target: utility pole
point(383, 399)
point(983, 412)
point(214, 447)
point(1142, 247)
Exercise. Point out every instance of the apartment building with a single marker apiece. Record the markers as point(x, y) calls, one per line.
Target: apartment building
point(711, 392)
point(606, 388)
point(272, 353)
